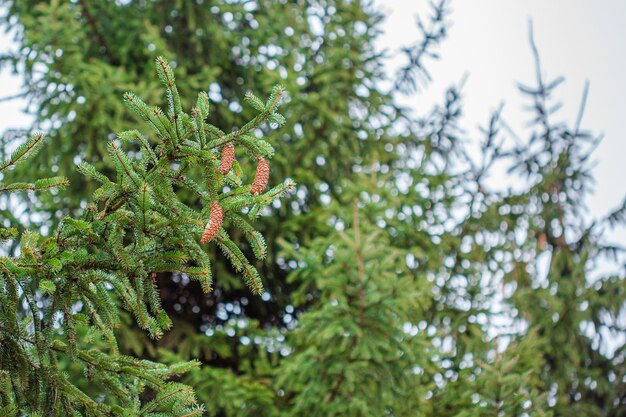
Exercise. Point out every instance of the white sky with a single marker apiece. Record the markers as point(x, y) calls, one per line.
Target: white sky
point(580, 39)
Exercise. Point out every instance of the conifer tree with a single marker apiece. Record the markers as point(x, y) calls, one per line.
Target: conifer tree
point(445, 258)
point(352, 342)
point(61, 295)
point(225, 48)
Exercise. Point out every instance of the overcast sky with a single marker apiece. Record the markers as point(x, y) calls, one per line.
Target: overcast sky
point(580, 39)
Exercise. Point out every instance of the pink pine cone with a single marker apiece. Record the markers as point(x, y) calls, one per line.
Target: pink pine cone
point(261, 178)
point(214, 224)
point(228, 157)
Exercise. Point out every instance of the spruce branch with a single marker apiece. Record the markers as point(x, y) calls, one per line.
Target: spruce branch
point(24, 151)
point(140, 223)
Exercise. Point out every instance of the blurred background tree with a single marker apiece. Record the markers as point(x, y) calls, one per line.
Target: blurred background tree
point(441, 305)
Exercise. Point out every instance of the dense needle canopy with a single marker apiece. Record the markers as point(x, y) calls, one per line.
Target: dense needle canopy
point(398, 281)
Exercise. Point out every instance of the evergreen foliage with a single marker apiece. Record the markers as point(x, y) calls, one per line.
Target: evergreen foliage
point(61, 295)
point(399, 280)
point(352, 341)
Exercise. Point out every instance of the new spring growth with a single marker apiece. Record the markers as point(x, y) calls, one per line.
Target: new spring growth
point(214, 224)
point(261, 177)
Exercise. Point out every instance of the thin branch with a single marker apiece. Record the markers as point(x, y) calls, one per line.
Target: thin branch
point(96, 31)
point(14, 96)
point(414, 72)
point(581, 109)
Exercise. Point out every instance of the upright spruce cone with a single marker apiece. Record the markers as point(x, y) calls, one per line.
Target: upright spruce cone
point(228, 157)
point(261, 177)
point(214, 224)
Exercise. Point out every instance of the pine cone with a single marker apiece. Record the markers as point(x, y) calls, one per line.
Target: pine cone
point(261, 177)
point(228, 157)
point(214, 224)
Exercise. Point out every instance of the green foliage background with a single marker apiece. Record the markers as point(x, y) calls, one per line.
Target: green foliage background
point(391, 265)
